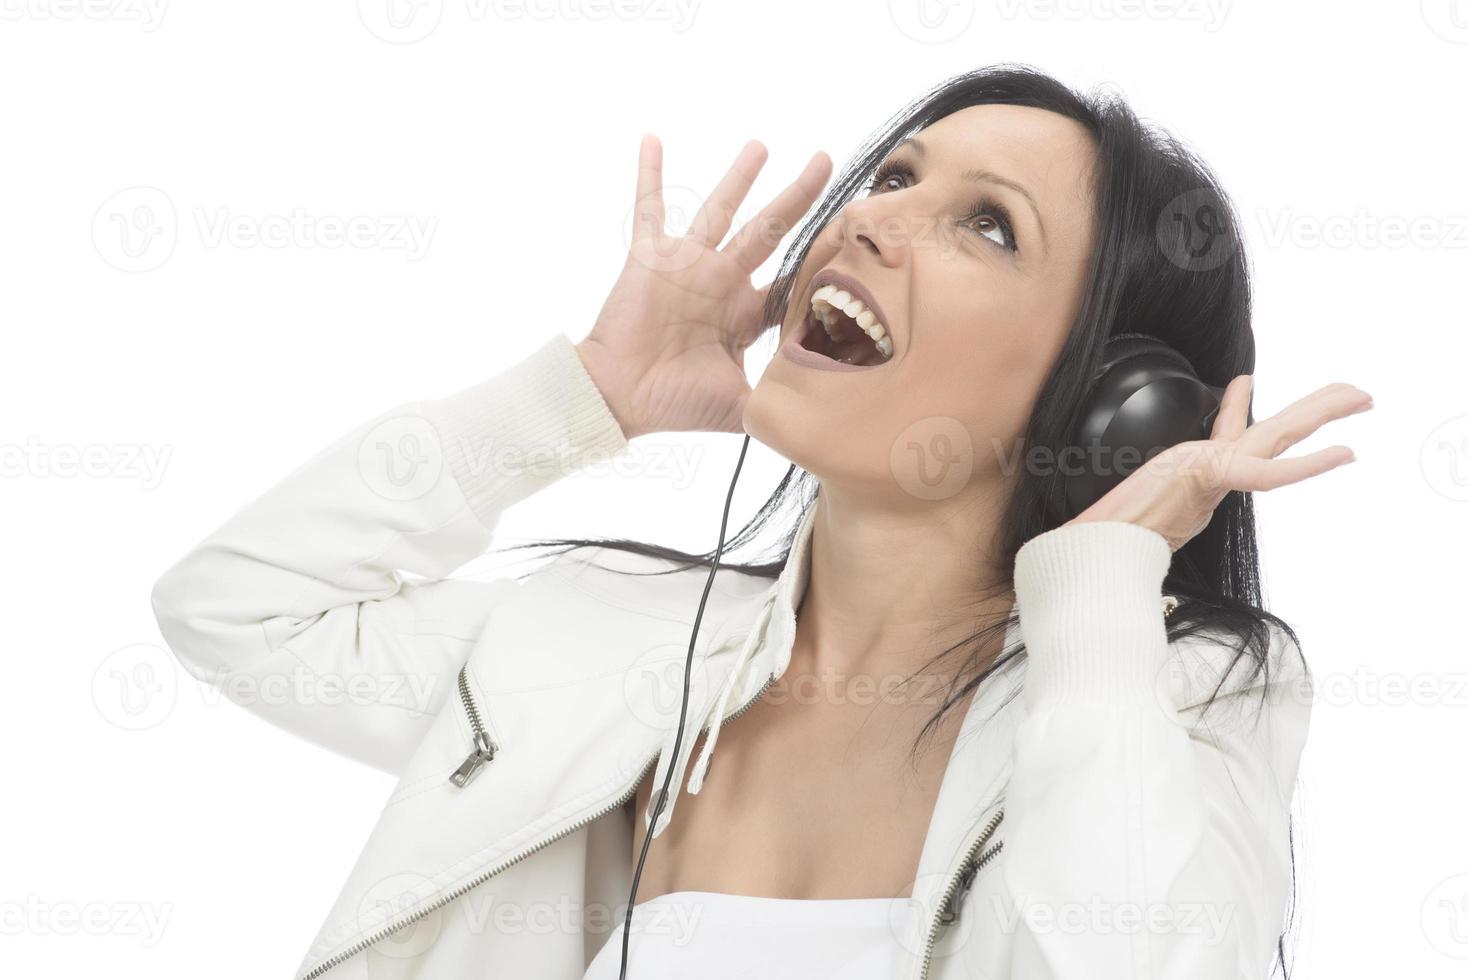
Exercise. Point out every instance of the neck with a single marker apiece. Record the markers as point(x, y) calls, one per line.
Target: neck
point(889, 588)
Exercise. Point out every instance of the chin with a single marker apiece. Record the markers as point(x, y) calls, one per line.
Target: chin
point(778, 417)
point(762, 417)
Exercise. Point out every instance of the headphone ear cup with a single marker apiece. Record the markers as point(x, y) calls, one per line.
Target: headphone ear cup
point(1144, 398)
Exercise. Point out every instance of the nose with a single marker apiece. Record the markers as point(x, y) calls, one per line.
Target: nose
point(879, 227)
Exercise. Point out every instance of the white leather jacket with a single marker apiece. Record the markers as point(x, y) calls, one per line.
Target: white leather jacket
point(1087, 824)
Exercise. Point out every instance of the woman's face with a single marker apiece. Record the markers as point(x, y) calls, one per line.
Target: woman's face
point(972, 248)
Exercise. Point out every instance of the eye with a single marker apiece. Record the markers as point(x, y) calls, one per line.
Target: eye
point(987, 217)
point(990, 218)
point(892, 170)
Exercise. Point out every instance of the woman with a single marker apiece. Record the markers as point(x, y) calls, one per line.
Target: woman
point(1095, 779)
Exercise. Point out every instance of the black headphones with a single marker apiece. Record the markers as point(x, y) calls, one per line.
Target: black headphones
point(1144, 398)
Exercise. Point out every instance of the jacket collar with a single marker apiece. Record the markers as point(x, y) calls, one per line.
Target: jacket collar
point(763, 656)
point(977, 767)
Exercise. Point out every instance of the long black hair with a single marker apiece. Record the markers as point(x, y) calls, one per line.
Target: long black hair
point(1168, 262)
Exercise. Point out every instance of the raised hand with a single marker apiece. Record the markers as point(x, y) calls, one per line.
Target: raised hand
point(667, 349)
point(1175, 492)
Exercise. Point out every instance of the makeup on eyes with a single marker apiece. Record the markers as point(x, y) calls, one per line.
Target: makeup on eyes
point(985, 206)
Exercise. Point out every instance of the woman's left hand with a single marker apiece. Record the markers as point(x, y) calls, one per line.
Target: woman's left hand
point(1175, 492)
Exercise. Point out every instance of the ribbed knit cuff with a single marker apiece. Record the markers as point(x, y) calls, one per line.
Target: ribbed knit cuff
point(524, 428)
point(1090, 606)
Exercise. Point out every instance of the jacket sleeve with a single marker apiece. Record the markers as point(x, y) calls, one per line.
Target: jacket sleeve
point(1147, 839)
point(300, 606)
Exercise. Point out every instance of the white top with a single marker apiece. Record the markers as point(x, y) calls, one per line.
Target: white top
point(696, 935)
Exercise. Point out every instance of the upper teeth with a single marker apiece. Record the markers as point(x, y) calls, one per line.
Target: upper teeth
point(828, 299)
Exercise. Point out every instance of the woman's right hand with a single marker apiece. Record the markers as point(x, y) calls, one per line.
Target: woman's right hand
point(667, 349)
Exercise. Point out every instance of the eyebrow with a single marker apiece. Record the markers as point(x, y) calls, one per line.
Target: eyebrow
point(982, 175)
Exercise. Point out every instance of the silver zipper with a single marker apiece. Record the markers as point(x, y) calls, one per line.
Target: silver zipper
point(974, 862)
point(968, 869)
point(484, 748)
point(478, 880)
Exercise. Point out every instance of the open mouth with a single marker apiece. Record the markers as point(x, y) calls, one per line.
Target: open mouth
point(842, 327)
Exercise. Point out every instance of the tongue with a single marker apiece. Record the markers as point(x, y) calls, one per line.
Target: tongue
point(851, 345)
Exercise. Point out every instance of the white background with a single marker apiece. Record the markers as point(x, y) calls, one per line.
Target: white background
point(509, 136)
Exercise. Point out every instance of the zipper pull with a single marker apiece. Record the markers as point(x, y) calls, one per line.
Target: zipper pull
point(483, 752)
point(966, 884)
